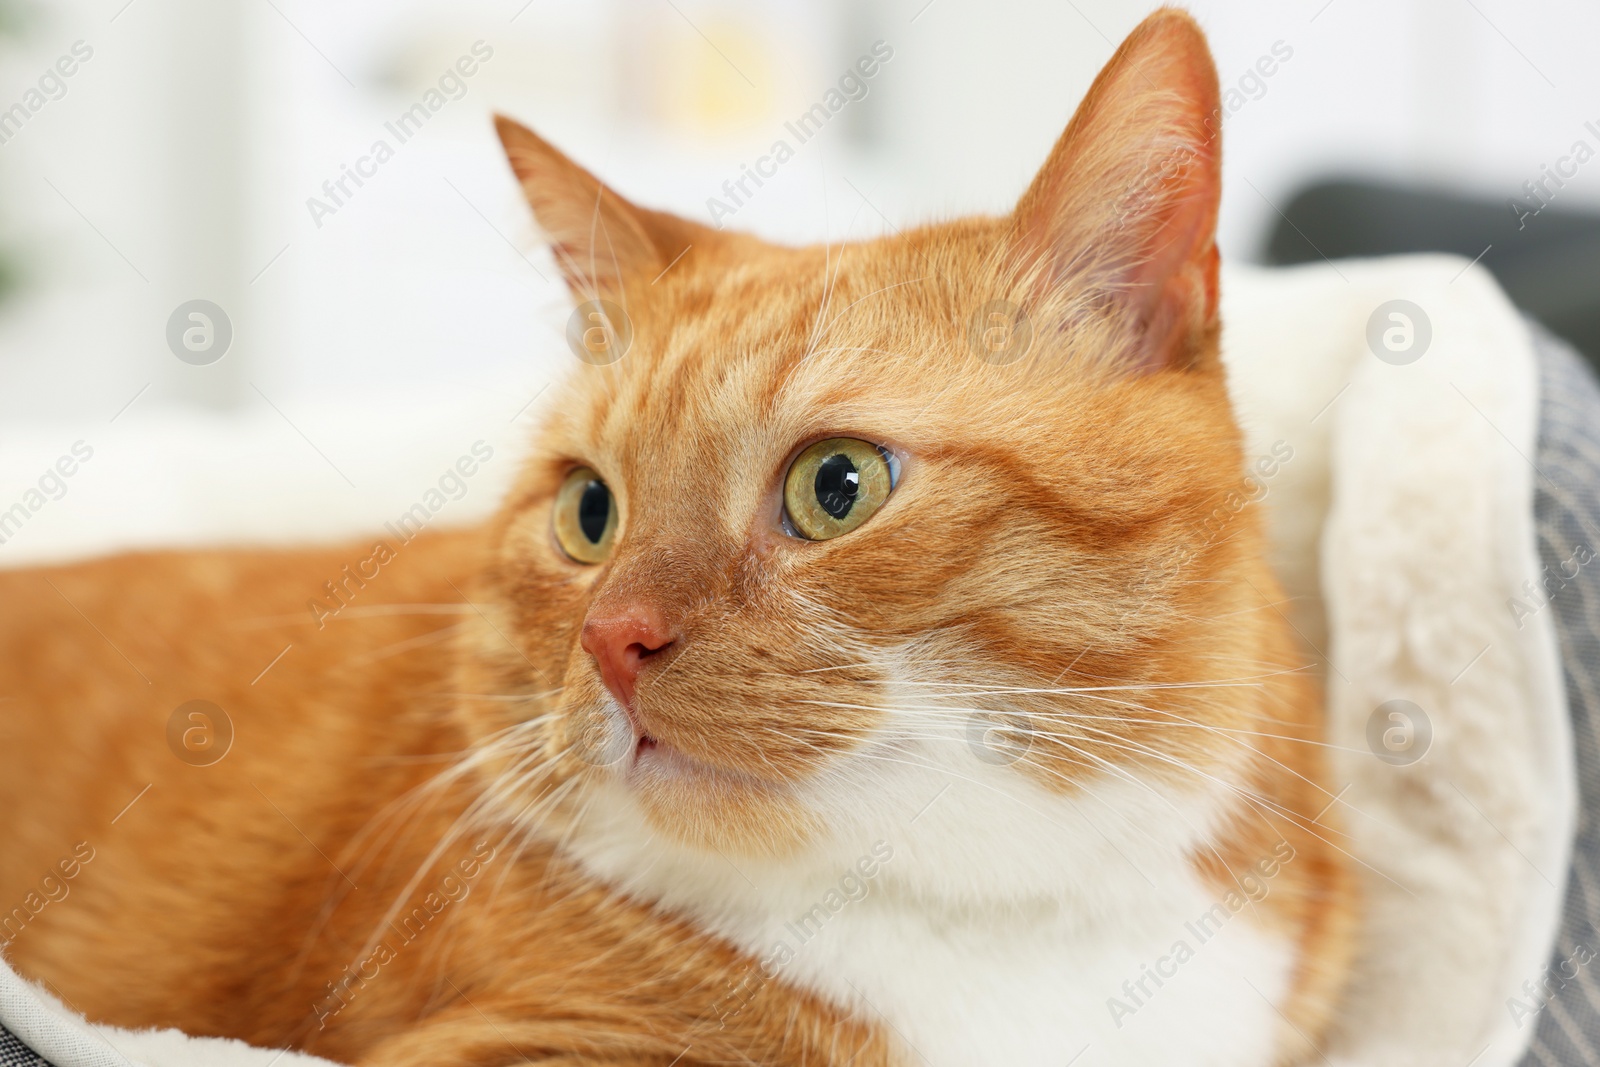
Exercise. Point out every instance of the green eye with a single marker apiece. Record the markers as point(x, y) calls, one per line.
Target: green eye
point(835, 486)
point(585, 517)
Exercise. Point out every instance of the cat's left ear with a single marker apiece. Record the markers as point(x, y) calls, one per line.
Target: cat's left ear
point(1124, 211)
point(600, 240)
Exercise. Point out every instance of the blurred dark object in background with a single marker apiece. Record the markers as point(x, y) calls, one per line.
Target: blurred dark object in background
point(1548, 261)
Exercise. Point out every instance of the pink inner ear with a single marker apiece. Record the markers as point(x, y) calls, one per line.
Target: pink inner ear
point(1173, 289)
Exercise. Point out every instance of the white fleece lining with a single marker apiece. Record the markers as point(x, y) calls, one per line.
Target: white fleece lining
point(60, 1035)
point(1430, 531)
point(1426, 476)
point(1411, 511)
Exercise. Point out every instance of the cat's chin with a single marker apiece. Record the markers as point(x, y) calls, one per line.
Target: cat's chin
point(655, 762)
point(706, 806)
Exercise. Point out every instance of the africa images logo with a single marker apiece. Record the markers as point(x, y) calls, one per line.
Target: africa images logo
point(853, 86)
point(451, 85)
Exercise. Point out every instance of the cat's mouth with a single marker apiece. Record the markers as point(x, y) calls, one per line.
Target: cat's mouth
point(647, 747)
point(651, 755)
point(655, 757)
point(644, 742)
point(695, 797)
point(656, 760)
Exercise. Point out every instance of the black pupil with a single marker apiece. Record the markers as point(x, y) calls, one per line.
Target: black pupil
point(837, 484)
point(594, 508)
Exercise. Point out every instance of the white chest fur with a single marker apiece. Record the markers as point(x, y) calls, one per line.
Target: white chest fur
point(1035, 990)
point(999, 925)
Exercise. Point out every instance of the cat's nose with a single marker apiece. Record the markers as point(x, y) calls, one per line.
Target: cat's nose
point(621, 643)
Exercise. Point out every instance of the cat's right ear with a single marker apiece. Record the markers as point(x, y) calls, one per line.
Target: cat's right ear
point(600, 240)
point(1122, 217)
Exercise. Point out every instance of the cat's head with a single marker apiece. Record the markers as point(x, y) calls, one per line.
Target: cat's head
point(844, 523)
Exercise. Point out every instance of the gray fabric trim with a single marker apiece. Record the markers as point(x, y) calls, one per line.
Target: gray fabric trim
point(1567, 518)
point(13, 1053)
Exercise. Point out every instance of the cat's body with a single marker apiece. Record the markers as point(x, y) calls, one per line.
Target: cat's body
point(1025, 766)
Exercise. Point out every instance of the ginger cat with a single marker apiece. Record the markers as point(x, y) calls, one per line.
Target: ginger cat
point(860, 672)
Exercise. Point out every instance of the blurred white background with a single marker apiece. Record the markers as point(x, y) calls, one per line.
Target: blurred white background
point(179, 160)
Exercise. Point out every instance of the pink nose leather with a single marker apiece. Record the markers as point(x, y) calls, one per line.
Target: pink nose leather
point(621, 643)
